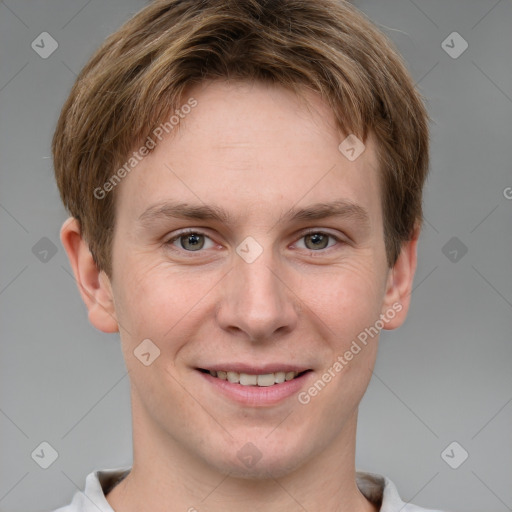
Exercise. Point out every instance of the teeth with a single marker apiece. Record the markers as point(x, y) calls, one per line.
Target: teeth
point(233, 377)
point(266, 380)
point(280, 377)
point(246, 379)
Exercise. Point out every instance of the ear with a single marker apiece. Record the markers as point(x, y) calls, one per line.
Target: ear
point(399, 284)
point(93, 284)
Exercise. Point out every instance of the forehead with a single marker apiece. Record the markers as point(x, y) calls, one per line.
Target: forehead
point(252, 148)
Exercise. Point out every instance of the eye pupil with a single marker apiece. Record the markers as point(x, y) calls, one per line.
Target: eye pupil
point(195, 240)
point(318, 240)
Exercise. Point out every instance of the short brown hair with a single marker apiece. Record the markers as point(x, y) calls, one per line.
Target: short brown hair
point(140, 73)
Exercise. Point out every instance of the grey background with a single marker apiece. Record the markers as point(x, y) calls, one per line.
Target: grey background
point(444, 376)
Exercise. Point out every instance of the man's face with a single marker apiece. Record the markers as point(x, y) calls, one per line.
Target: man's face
point(264, 290)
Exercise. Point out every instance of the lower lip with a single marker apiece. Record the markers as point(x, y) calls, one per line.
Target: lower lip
point(257, 395)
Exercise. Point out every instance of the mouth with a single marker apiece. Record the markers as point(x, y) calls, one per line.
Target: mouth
point(255, 379)
point(250, 385)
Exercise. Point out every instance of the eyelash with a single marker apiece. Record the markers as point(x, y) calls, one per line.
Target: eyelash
point(199, 232)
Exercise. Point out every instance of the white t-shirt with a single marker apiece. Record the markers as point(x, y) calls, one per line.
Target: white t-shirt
point(374, 487)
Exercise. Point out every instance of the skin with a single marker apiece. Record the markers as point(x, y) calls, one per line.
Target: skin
point(257, 151)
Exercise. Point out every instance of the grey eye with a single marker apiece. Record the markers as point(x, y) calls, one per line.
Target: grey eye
point(315, 241)
point(191, 241)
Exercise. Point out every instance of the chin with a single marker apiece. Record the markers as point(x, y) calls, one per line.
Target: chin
point(276, 468)
point(252, 463)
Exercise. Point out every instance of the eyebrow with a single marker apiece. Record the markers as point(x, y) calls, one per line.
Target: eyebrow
point(341, 208)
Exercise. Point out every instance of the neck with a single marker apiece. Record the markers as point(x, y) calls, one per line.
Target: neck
point(166, 477)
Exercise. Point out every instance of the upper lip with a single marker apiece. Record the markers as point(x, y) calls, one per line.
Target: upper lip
point(251, 369)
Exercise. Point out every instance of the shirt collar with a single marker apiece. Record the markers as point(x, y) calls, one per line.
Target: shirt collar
point(376, 488)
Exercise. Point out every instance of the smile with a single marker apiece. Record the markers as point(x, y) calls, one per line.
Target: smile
point(261, 380)
point(251, 385)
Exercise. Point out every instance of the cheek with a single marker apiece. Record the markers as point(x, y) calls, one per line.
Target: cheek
point(158, 301)
point(349, 302)
point(349, 296)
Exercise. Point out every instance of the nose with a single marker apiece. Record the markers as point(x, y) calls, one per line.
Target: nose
point(257, 300)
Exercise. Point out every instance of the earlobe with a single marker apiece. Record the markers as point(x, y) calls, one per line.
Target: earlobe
point(399, 284)
point(93, 284)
